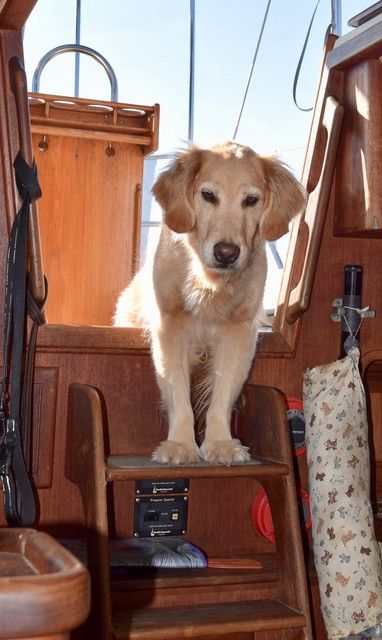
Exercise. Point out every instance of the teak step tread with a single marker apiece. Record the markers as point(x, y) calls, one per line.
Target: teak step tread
point(142, 467)
point(203, 620)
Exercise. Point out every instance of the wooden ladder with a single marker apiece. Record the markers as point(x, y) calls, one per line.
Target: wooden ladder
point(267, 602)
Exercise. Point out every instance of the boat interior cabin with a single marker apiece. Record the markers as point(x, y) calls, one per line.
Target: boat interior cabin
point(97, 539)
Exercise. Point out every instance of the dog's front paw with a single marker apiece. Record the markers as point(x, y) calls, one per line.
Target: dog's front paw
point(224, 451)
point(173, 452)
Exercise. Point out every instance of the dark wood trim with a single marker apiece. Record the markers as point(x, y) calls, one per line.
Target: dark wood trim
point(65, 338)
point(14, 13)
point(366, 15)
point(284, 337)
point(10, 45)
point(364, 43)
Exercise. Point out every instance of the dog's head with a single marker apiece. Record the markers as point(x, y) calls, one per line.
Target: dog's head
point(225, 198)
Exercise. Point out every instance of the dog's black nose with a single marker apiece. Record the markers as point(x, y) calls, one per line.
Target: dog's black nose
point(226, 253)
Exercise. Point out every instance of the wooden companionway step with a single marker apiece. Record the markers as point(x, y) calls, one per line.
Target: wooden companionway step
point(174, 623)
point(158, 610)
point(141, 467)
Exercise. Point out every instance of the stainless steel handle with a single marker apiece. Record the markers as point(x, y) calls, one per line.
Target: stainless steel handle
point(72, 48)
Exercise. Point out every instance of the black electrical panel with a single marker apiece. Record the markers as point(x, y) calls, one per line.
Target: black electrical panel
point(160, 516)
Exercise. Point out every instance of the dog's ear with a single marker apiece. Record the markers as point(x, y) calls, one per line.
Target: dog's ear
point(285, 197)
point(174, 190)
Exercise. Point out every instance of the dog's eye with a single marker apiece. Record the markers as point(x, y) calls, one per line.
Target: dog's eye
point(209, 196)
point(250, 201)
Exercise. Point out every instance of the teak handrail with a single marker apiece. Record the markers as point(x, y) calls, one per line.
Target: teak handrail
point(19, 89)
point(312, 224)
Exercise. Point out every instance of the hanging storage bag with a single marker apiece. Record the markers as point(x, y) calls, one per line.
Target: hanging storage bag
point(346, 554)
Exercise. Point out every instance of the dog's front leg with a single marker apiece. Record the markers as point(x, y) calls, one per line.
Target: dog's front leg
point(231, 363)
point(170, 348)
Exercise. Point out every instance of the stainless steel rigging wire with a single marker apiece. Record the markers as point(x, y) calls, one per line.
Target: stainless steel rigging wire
point(77, 53)
point(192, 73)
point(251, 70)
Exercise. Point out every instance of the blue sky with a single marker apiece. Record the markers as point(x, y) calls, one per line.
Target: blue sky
point(147, 43)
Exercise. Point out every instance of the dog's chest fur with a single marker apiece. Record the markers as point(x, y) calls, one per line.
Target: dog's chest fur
point(207, 302)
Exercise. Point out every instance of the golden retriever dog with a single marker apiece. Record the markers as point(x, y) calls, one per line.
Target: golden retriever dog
point(201, 295)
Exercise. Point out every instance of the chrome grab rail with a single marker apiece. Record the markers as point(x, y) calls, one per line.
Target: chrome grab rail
point(73, 48)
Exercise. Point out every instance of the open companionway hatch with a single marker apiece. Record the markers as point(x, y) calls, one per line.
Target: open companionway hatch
point(89, 155)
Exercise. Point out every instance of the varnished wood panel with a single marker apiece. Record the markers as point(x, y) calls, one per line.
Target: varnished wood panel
point(212, 521)
point(44, 418)
point(358, 190)
point(87, 225)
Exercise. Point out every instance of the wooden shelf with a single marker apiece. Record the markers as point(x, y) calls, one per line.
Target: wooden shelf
point(205, 620)
point(141, 467)
point(139, 578)
point(97, 119)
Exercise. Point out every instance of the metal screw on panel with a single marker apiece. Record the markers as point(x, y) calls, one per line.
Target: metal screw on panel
point(137, 499)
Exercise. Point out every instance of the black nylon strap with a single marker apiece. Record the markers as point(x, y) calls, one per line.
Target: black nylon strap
point(26, 179)
point(19, 497)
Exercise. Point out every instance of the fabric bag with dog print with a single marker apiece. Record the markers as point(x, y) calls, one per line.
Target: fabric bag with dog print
point(346, 554)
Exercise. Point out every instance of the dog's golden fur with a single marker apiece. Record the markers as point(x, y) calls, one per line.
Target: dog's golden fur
point(196, 301)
